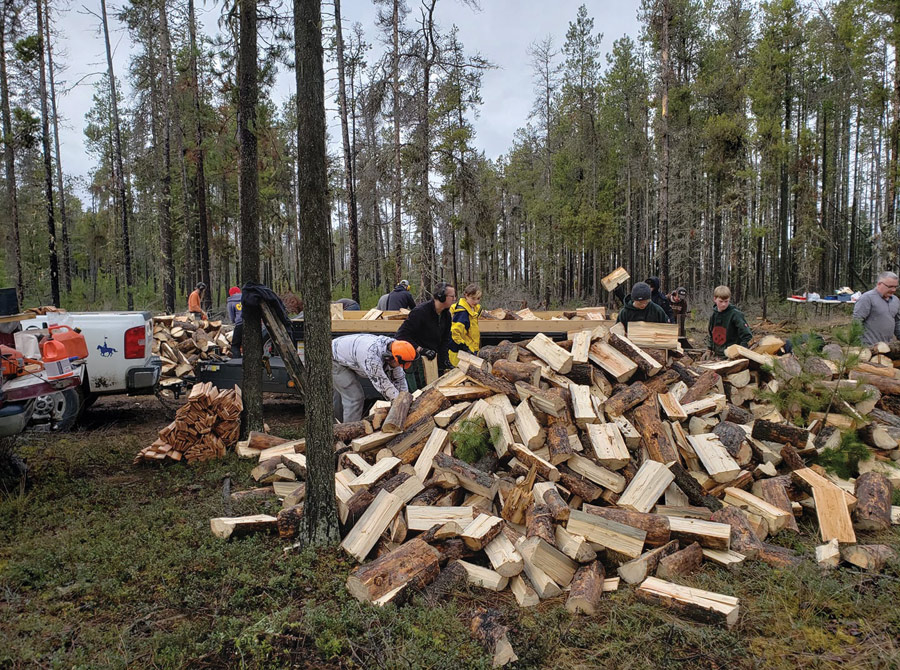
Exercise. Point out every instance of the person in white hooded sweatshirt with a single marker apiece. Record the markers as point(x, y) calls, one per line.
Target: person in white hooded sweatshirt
point(382, 360)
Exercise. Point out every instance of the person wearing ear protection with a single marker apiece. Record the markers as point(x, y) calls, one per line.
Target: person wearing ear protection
point(427, 327)
point(381, 359)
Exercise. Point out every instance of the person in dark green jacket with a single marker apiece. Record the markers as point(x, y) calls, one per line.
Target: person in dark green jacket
point(638, 307)
point(727, 324)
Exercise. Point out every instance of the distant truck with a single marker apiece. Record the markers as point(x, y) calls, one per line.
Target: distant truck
point(120, 350)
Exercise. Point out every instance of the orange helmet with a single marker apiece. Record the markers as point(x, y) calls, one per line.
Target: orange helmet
point(403, 352)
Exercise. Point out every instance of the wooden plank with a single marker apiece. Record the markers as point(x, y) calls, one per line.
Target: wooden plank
point(614, 362)
point(608, 445)
point(613, 279)
point(583, 408)
point(833, 515)
point(715, 458)
point(435, 443)
point(697, 604)
point(647, 487)
point(423, 517)
point(654, 335)
point(671, 407)
point(374, 521)
point(551, 353)
point(596, 473)
point(581, 346)
point(737, 351)
point(609, 534)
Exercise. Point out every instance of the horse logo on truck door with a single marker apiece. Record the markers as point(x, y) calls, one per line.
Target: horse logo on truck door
point(105, 350)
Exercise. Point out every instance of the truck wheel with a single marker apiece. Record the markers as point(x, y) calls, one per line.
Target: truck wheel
point(57, 412)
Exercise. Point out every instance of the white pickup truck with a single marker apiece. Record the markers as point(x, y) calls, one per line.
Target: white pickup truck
point(119, 345)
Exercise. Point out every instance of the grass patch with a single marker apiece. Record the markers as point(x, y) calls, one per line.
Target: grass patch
point(108, 565)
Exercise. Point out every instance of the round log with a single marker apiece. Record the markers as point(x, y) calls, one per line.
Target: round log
point(873, 507)
point(655, 525)
point(586, 589)
point(413, 565)
point(288, 522)
point(396, 417)
point(624, 400)
point(743, 539)
point(681, 563)
point(539, 523)
point(514, 371)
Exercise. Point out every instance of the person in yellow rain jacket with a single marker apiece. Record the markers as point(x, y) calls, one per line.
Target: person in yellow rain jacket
point(464, 313)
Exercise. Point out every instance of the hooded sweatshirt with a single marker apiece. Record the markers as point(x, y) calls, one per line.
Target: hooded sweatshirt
point(652, 313)
point(464, 332)
point(235, 312)
point(400, 298)
point(727, 328)
point(661, 299)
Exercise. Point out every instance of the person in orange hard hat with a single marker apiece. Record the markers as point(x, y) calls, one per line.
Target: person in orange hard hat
point(382, 360)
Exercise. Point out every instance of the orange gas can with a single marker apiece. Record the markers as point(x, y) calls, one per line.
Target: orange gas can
point(73, 340)
point(56, 360)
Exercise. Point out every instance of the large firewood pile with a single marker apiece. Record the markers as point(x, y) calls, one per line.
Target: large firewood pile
point(612, 463)
point(181, 341)
point(205, 427)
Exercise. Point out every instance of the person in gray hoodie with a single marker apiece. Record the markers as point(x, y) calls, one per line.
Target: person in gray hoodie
point(879, 311)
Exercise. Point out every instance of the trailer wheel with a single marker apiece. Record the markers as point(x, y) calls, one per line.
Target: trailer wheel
point(57, 412)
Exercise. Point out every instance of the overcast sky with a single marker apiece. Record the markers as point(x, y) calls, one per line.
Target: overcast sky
point(502, 32)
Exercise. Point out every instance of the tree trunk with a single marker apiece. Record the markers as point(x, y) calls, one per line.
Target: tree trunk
point(320, 515)
point(396, 192)
point(248, 95)
point(202, 210)
point(9, 156)
point(165, 215)
point(349, 176)
point(67, 252)
point(120, 171)
point(48, 163)
point(666, 79)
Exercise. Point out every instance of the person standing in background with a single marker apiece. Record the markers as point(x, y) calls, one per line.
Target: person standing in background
point(727, 324)
point(464, 332)
point(879, 311)
point(195, 300)
point(678, 301)
point(400, 297)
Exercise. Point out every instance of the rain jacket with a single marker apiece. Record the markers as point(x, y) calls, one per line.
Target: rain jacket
point(464, 332)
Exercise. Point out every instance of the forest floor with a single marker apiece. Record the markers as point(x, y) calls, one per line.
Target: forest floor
point(104, 564)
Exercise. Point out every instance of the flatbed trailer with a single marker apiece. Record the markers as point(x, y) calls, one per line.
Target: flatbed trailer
point(225, 374)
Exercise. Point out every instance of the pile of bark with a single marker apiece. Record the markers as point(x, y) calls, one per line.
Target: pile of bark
point(611, 463)
point(205, 427)
point(181, 341)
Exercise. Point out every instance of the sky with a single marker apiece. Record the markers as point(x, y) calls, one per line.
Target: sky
point(501, 31)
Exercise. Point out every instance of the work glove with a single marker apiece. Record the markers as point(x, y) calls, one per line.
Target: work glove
point(429, 354)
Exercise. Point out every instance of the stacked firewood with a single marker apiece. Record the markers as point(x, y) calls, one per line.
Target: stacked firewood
point(205, 427)
point(181, 341)
point(612, 462)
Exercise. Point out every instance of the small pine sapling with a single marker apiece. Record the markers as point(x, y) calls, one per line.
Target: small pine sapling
point(844, 459)
point(471, 440)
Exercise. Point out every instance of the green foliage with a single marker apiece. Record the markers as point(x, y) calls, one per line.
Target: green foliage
point(471, 440)
point(844, 459)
